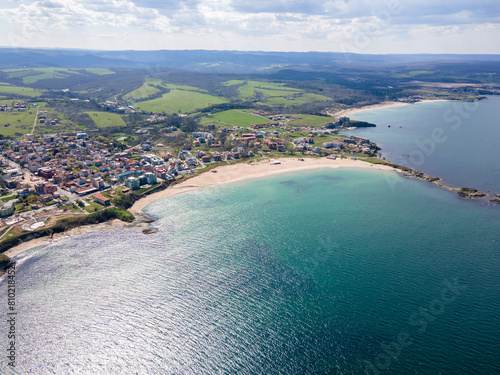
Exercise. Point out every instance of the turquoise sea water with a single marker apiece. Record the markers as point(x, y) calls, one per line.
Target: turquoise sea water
point(331, 271)
point(456, 141)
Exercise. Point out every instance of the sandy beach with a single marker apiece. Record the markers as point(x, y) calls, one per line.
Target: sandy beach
point(58, 236)
point(243, 171)
point(351, 111)
point(224, 174)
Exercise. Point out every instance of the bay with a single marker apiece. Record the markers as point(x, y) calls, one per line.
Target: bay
point(456, 141)
point(345, 271)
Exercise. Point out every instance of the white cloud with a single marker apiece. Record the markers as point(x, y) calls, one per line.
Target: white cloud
point(361, 26)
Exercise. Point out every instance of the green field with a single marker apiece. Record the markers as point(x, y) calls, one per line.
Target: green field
point(237, 117)
point(142, 92)
point(23, 91)
point(30, 76)
point(93, 206)
point(34, 75)
point(309, 120)
point(20, 122)
point(99, 71)
point(147, 89)
point(271, 93)
point(180, 100)
point(171, 86)
point(296, 99)
point(106, 119)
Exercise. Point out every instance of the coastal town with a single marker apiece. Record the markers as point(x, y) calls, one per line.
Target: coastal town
point(84, 154)
point(78, 174)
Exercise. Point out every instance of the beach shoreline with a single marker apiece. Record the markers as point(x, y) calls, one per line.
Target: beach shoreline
point(352, 111)
point(225, 174)
point(244, 171)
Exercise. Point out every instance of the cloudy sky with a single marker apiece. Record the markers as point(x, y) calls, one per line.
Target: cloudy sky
point(360, 26)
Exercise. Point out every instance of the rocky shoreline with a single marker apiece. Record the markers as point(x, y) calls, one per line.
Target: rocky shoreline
point(464, 192)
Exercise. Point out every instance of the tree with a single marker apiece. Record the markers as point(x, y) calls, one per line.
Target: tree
point(32, 199)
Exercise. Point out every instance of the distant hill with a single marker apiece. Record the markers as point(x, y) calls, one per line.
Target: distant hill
point(226, 61)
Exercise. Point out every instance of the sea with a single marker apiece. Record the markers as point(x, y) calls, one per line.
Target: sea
point(453, 140)
point(325, 271)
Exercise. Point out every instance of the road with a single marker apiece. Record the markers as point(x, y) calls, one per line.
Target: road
point(36, 118)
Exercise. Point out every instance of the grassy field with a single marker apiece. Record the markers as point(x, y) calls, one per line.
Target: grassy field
point(144, 91)
point(180, 100)
point(309, 120)
point(270, 93)
point(236, 117)
point(295, 99)
point(171, 86)
point(99, 71)
point(147, 89)
point(30, 76)
point(34, 75)
point(93, 206)
point(16, 91)
point(106, 119)
point(20, 122)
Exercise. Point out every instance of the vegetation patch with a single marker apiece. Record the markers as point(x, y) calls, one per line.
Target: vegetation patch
point(99, 71)
point(238, 118)
point(5, 262)
point(180, 101)
point(274, 93)
point(106, 119)
point(143, 92)
point(20, 91)
point(308, 120)
point(17, 123)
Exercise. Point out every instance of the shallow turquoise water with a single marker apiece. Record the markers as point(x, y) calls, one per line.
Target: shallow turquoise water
point(319, 272)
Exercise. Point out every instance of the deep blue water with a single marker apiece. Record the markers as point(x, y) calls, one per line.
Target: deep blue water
point(318, 272)
point(456, 141)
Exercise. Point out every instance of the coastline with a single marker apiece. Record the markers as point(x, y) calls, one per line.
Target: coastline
point(113, 224)
point(351, 111)
point(243, 171)
point(225, 174)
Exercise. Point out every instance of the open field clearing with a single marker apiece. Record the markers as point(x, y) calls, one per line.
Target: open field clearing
point(237, 118)
point(180, 100)
point(106, 119)
point(15, 90)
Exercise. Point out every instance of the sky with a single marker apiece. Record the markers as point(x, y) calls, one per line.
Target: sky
point(359, 26)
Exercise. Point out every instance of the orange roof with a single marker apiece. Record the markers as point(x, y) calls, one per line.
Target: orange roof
point(101, 197)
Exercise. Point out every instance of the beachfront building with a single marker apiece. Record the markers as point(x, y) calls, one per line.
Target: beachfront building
point(151, 178)
point(132, 183)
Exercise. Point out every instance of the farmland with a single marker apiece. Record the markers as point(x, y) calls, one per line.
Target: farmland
point(308, 120)
point(33, 75)
point(272, 93)
point(15, 91)
point(236, 117)
point(143, 92)
point(180, 100)
point(19, 122)
point(106, 119)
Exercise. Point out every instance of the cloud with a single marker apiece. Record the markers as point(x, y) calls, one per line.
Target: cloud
point(280, 24)
point(278, 6)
